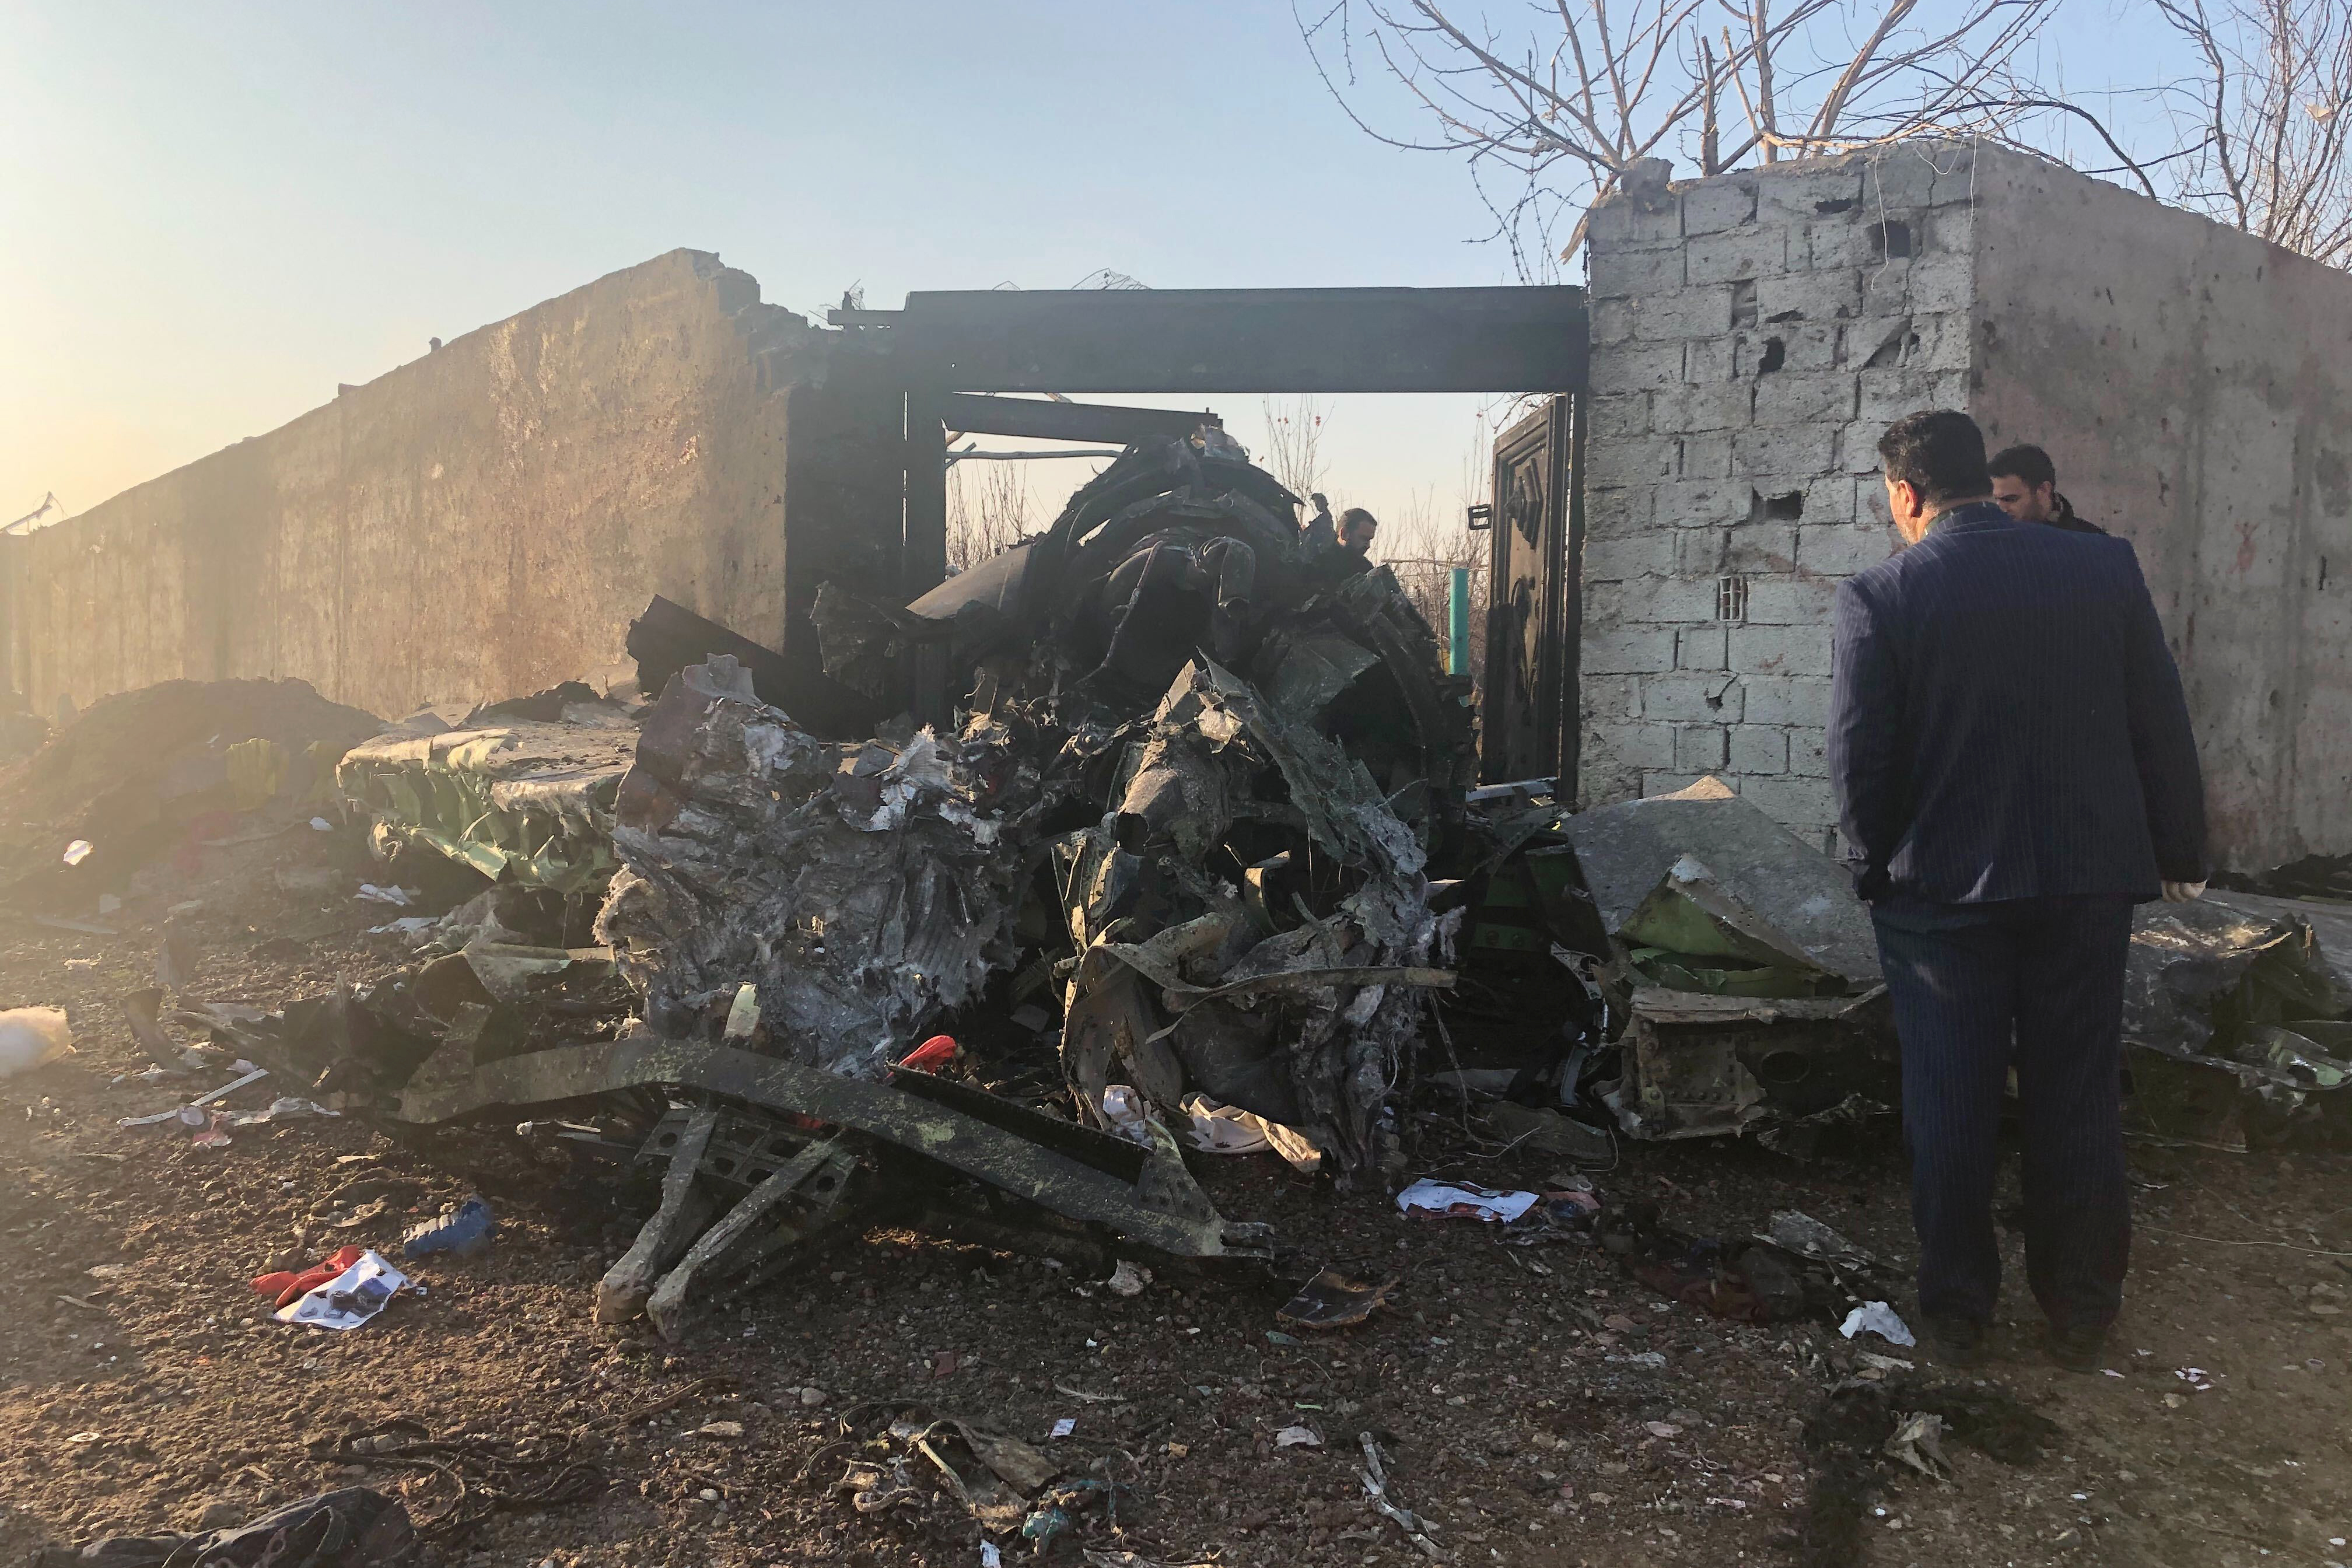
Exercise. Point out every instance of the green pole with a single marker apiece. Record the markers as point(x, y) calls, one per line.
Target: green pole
point(1457, 623)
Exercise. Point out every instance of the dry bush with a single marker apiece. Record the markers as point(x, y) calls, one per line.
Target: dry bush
point(988, 510)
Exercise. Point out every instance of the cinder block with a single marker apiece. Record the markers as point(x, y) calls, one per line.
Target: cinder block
point(1706, 455)
point(1840, 550)
point(1858, 446)
point(1650, 554)
point(1632, 459)
point(1712, 698)
point(1711, 406)
point(1917, 174)
point(1663, 601)
point(1617, 414)
point(1795, 803)
point(1697, 312)
point(1756, 548)
point(1888, 395)
point(1609, 698)
point(1615, 507)
point(1941, 342)
point(1815, 296)
point(1628, 650)
point(1612, 320)
point(1802, 702)
point(1804, 191)
point(1667, 784)
point(1701, 503)
point(1750, 251)
point(1828, 499)
point(1795, 398)
point(1726, 201)
point(1790, 601)
point(1710, 359)
point(1643, 746)
point(1702, 647)
point(1808, 753)
point(1756, 749)
point(1870, 501)
point(1880, 343)
point(1600, 777)
point(1784, 451)
point(1618, 220)
point(1700, 748)
point(1614, 271)
point(1699, 552)
point(1635, 367)
point(1780, 649)
point(1943, 282)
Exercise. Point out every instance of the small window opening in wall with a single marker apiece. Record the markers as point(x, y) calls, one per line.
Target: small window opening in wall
point(1890, 241)
point(1743, 302)
point(1731, 598)
point(1775, 356)
point(1836, 204)
point(1789, 507)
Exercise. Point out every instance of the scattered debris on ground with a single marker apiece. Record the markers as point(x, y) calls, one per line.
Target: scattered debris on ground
point(600, 1012)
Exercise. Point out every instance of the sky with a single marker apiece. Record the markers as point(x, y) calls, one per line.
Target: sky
point(215, 213)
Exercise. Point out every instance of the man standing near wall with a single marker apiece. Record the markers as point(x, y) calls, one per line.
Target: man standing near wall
point(2025, 483)
point(2014, 769)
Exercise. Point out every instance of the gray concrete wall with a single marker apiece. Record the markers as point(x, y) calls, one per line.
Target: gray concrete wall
point(486, 520)
point(2195, 386)
point(1752, 335)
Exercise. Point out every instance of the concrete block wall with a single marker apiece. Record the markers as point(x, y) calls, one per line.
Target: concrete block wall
point(1752, 335)
point(486, 520)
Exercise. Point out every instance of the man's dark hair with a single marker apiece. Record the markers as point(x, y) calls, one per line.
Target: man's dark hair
point(1938, 451)
point(1354, 515)
point(2030, 464)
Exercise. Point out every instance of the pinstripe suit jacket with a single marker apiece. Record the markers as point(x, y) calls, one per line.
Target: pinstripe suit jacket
point(2006, 721)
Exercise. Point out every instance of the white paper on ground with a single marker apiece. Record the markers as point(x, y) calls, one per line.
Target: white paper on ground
point(350, 1298)
point(1230, 1129)
point(1877, 1317)
point(1460, 1200)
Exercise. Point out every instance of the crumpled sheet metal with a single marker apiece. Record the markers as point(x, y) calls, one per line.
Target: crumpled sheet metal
point(1325, 1008)
point(1802, 897)
point(522, 801)
point(863, 888)
point(2245, 1003)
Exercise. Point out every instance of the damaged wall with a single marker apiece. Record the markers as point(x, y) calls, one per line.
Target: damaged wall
point(2194, 386)
point(1754, 333)
point(486, 521)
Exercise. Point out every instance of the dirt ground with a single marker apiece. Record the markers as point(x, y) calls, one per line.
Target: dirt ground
point(1538, 1405)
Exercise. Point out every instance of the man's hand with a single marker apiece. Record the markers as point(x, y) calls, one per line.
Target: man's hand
point(2183, 892)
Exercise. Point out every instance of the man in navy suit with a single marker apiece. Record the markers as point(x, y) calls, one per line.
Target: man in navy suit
point(2014, 769)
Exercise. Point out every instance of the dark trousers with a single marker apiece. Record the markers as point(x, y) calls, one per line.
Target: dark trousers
point(2036, 983)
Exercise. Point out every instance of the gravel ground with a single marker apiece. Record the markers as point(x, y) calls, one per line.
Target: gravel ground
point(1534, 1404)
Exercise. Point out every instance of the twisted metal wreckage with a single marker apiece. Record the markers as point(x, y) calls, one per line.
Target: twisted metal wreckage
point(1170, 867)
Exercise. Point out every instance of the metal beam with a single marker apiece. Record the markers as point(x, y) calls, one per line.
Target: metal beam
point(1528, 339)
point(1068, 421)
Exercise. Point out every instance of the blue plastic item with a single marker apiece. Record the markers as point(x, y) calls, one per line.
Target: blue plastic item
point(467, 1228)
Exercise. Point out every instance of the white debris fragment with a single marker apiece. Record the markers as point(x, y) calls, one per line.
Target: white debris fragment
point(1877, 1317)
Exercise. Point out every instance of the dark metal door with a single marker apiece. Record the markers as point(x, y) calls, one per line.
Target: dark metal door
point(1534, 612)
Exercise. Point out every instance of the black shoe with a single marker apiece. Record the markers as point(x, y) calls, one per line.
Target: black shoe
point(2078, 1347)
point(1955, 1342)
